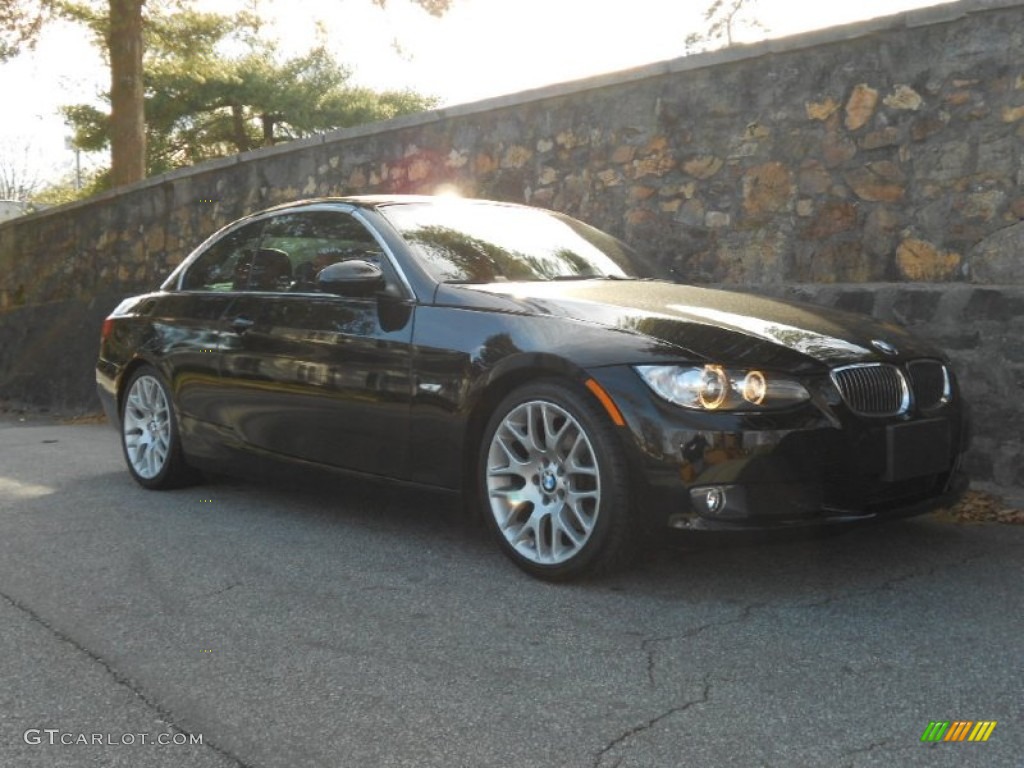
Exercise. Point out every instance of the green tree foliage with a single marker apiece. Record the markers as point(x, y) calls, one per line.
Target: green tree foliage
point(20, 24)
point(70, 187)
point(122, 29)
point(214, 87)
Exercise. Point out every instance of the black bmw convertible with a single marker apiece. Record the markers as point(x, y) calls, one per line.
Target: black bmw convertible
point(533, 363)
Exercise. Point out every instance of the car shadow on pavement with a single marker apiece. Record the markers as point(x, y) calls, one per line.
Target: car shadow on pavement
point(869, 557)
point(862, 558)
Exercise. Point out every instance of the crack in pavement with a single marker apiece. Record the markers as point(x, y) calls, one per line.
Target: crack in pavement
point(647, 645)
point(891, 583)
point(221, 591)
point(162, 714)
point(643, 727)
point(868, 748)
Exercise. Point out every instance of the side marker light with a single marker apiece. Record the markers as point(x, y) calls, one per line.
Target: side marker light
point(606, 400)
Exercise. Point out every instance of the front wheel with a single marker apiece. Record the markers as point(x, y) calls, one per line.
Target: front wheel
point(149, 434)
point(554, 483)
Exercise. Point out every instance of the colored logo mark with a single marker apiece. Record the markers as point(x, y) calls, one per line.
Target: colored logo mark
point(958, 730)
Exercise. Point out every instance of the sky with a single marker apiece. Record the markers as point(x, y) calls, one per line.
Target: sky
point(479, 49)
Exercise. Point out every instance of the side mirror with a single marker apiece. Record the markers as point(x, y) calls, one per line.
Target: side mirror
point(351, 278)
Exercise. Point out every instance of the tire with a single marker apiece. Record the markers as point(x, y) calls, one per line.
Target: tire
point(553, 483)
point(149, 434)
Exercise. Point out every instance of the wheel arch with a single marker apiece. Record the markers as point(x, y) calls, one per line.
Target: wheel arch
point(506, 377)
point(125, 376)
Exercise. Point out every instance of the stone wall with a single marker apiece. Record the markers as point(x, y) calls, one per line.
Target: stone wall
point(880, 159)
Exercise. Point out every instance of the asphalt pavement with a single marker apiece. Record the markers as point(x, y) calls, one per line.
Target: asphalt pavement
point(244, 623)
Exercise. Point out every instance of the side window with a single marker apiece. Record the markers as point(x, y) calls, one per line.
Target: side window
point(313, 239)
point(226, 265)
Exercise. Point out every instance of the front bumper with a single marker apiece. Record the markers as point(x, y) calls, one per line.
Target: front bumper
point(818, 465)
point(744, 508)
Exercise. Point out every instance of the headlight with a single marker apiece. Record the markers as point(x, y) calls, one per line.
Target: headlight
point(715, 388)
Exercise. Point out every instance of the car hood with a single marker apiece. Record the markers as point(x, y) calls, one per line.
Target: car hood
point(729, 327)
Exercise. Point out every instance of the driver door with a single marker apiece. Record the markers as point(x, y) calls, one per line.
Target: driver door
point(318, 376)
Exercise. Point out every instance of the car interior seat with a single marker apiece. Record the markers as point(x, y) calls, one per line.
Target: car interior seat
point(269, 269)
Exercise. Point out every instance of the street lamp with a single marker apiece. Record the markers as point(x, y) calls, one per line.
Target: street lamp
point(69, 143)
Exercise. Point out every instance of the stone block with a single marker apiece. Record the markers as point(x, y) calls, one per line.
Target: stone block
point(821, 110)
point(767, 188)
point(856, 300)
point(813, 178)
point(999, 258)
point(837, 149)
point(889, 136)
point(944, 162)
point(842, 261)
point(920, 260)
point(1012, 114)
point(984, 205)
point(691, 214)
point(991, 304)
point(833, 217)
point(1013, 349)
point(703, 166)
point(880, 231)
point(916, 307)
point(882, 181)
point(905, 98)
point(860, 107)
point(963, 340)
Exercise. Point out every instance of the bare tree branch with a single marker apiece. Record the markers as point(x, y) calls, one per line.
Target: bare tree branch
point(723, 18)
point(19, 170)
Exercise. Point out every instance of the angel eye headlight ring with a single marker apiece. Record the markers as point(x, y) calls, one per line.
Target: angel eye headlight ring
point(755, 387)
point(714, 388)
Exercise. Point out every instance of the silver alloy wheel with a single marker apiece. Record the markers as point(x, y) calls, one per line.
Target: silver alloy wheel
point(146, 427)
point(543, 482)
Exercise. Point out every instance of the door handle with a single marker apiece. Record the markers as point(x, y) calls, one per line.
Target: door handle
point(241, 324)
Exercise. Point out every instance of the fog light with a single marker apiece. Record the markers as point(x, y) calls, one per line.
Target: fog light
point(719, 502)
point(714, 499)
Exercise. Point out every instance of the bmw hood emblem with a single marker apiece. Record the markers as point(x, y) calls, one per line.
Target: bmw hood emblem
point(884, 347)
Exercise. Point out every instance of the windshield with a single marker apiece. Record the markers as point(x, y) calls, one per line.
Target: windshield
point(464, 242)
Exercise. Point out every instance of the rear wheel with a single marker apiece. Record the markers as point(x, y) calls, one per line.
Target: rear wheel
point(554, 483)
point(149, 433)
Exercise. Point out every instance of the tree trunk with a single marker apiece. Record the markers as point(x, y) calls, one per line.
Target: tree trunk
point(268, 129)
point(241, 137)
point(127, 118)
